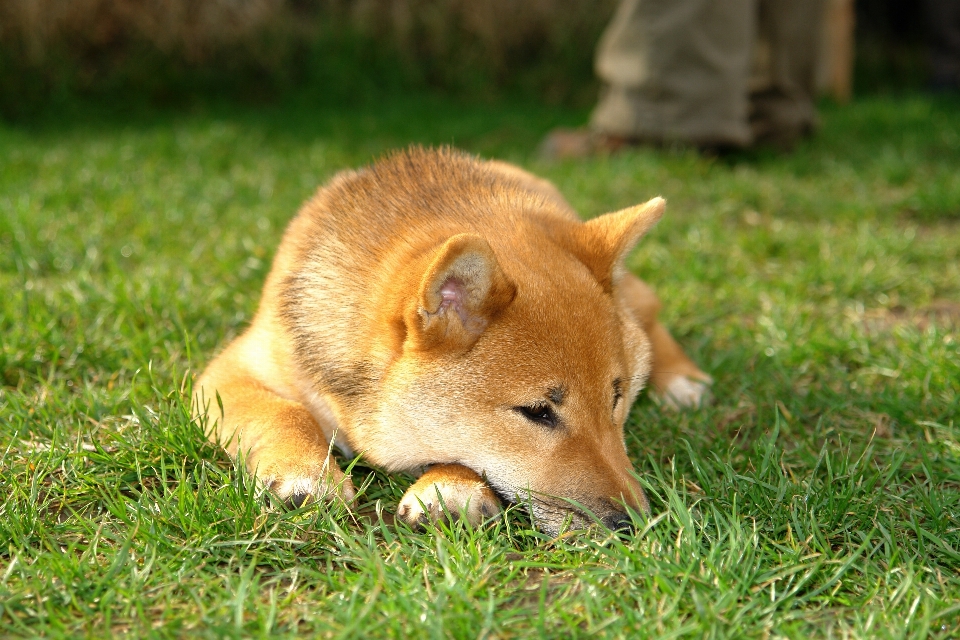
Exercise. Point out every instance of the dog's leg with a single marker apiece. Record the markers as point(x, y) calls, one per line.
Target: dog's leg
point(277, 438)
point(462, 492)
point(674, 376)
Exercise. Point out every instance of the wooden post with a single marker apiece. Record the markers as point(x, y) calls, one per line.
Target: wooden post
point(835, 66)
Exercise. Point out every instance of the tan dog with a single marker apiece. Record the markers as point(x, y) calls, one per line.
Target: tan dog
point(437, 311)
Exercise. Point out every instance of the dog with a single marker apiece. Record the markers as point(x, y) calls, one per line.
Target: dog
point(453, 317)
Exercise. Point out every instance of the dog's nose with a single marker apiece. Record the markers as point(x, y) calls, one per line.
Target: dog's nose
point(618, 521)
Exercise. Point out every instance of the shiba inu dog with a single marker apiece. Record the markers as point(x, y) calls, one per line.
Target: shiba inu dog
point(446, 315)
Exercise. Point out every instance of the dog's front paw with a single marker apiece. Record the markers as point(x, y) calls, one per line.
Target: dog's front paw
point(448, 489)
point(683, 392)
point(298, 478)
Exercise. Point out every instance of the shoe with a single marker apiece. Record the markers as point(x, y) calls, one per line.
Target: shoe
point(566, 144)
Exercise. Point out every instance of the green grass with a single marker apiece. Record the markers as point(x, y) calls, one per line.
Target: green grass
point(819, 495)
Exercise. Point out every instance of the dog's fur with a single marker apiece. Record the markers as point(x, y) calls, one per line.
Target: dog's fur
point(435, 311)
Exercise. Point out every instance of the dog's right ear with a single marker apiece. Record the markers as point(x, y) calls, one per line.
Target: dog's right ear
point(602, 243)
point(462, 290)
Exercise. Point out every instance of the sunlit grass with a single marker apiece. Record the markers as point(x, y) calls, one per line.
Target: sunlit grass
point(818, 495)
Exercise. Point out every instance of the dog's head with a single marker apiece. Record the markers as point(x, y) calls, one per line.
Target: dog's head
point(519, 362)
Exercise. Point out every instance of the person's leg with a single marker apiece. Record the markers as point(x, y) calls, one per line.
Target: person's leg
point(782, 106)
point(677, 70)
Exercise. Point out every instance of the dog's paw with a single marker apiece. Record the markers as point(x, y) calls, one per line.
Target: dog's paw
point(448, 489)
point(306, 479)
point(683, 392)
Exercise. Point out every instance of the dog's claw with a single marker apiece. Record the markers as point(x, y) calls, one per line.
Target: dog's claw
point(303, 485)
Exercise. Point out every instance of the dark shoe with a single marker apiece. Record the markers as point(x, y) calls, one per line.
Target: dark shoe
point(565, 144)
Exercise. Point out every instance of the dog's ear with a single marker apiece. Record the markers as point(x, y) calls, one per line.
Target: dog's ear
point(462, 290)
point(604, 242)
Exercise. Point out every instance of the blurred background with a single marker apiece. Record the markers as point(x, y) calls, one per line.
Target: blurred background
point(187, 52)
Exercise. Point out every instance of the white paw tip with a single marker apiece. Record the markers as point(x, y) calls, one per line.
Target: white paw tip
point(685, 393)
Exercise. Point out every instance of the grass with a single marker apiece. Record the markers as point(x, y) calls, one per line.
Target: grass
point(818, 496)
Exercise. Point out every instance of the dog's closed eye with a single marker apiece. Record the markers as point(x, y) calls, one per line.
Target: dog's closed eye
point(541, 414)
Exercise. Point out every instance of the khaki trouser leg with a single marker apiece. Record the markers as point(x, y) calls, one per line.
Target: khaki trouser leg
point(783, 86)
point(677, 70)
point(709, 72)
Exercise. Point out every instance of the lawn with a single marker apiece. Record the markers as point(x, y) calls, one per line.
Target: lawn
point(817, 496)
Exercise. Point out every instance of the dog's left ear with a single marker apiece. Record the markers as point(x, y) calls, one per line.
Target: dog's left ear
point(604, 242)
point(462, 290)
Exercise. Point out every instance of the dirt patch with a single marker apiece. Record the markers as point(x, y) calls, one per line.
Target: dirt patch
point(943, 314)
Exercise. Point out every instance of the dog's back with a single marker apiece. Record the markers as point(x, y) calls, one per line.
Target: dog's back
point(354, 240)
